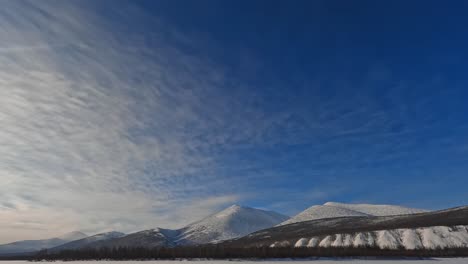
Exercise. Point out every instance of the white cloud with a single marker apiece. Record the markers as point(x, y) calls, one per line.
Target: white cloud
point(100, 130)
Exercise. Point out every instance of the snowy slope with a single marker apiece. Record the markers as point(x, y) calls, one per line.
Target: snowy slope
point(377, 210)
point(235, 221)
point(34, 245)
point(408, 238)
point(332, 209)
point(322, 211)
point(231, 222)
point(151, 238)
point(436, 229)
point(85, 242)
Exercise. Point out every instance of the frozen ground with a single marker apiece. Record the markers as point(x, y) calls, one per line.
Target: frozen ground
point(319, 261)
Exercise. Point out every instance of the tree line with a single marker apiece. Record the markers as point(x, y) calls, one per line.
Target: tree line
point(220, 252)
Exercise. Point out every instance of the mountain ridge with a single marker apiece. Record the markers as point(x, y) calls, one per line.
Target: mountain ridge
point(24, 246)
point(231, 222)
point(335, 209)
point(328, 228)
point(84, 242)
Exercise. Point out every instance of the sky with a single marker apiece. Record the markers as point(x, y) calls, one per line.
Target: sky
point(128, 115)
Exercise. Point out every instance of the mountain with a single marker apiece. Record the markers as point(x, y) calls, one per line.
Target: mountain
point(148, 238)
point(84, 242)
point(438, 229)
point(232, 222)
point(75, 235)
point(332, 209)
point(376, 209)
point(35, 245)
point(235, 221)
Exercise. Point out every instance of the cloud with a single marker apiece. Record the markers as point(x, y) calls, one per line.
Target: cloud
point(100, 130)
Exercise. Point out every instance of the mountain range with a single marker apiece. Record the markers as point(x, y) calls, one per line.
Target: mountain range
point(428, 230)
point(234, 221)
point(328, 225)
point(34, 245)
point(84, 242)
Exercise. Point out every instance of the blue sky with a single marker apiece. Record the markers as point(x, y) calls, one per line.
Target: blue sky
point(129, 115)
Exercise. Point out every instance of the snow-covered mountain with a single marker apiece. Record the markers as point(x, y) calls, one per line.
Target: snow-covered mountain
point(376, 209)
point(35, 245)
point(151, 238)
point(84, 242)
point(437, 229)
point(71, 236)
point(232, 222)
point(332, 209)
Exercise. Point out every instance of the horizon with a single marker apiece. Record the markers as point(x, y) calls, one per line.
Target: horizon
point(129, 115)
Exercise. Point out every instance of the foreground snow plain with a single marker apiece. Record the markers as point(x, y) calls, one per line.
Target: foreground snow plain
point(314, 261)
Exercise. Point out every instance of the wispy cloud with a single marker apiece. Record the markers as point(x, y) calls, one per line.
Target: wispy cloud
point(100, 130)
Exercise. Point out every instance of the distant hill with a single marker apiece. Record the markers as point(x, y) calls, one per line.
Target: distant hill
point(35, 245)
point(84, 242)
point(333, 209)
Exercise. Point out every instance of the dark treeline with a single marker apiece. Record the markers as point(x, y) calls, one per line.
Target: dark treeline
point(18, 257)
point(219, 252)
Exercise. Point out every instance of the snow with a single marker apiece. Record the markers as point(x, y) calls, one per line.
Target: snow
point(321, 211)
point(301, 242)
point(370, 239)
point(348, 240)
point(281, 244)
point(360, 240)
point(427, 237)
point(376, 209)
point(234, 221)
point(431, 239)
point(333, 209)
point(388, 239)
point(338, 241)
point(313, 242)
point(326, 242)
point(104, 236)
point(410, 239)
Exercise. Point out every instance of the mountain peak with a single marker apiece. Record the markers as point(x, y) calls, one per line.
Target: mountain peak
point(233, 209)
point(74, 235)
point(234, 221)
point(109, 234)
point(331, 203)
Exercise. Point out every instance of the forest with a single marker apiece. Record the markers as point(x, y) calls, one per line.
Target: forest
point(220, 252)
